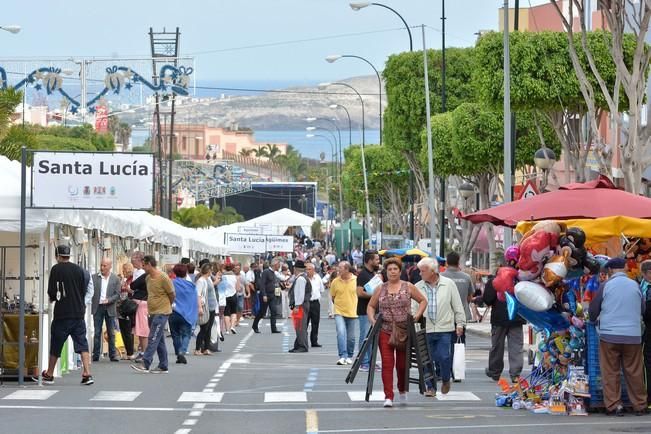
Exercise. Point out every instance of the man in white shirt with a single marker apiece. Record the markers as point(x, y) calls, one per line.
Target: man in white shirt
point(106, 294)
point(357, 257)
point(300, 305)
point(314, 314)
point(331, 258)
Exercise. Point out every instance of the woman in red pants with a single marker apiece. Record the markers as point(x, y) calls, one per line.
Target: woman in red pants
point(393, 301)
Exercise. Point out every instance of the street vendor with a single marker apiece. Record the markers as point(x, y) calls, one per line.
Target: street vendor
point(618, 307)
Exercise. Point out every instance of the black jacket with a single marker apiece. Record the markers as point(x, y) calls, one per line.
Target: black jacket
point(499, 312)
point(67, 287)
point(139, 287)
point(269, 282)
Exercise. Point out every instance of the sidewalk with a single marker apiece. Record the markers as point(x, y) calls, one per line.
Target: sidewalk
point(483, 329)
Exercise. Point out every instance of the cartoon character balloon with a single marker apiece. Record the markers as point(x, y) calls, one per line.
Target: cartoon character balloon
point(534, 296)
point(534, 252)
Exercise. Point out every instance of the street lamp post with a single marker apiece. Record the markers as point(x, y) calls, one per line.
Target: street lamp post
point(361, 100)
point(544, 158)
point(356, 6)
point(334, 57)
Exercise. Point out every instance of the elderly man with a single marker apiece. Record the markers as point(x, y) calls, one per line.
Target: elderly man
point(299, 302)
point(315, 303)
point(619, 306)
point(444, 310)
point(104, 300)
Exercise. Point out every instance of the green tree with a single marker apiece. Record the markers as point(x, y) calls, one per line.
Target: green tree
point(246, 152)
point(198, 217)
point(9, 99)
point(544, 80)
point(293, 162)
point(317, 230)
point(226, 216)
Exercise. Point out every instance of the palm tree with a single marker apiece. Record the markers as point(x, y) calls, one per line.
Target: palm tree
point(260, 152)
point(246, 152)
point(273, 152)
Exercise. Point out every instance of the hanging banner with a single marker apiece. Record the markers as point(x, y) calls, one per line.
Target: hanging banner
point(248, 243)
point(280, 243)
point(101, 119)
point(245, 243)
point(92, 180)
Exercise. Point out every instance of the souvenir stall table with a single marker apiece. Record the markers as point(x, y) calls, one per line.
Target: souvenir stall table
point(550, 277)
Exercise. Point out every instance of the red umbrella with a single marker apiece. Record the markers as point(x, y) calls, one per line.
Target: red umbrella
point(594, 199)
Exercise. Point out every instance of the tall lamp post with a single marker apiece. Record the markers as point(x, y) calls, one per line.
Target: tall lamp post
point(544, 158)
point(361, 100)
point(334, 57)
point(356, 6)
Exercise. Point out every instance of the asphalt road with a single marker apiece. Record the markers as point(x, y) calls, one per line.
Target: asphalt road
point(255, 386)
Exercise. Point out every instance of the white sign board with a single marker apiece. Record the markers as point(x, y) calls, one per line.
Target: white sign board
point(248, 230)
point(93, 180)
point(280, 243)
point(246, 243)
point(169, 259)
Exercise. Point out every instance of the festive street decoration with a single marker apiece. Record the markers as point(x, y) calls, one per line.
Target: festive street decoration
point(172, 79)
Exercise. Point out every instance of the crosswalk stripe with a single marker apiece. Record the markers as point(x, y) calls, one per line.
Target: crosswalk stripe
point(361, 396)
point(112, 395)
point(201, 397)
point(457, 396)
point(37, 395)
point(285, 397)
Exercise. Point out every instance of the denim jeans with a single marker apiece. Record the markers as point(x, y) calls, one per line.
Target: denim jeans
point(156, 342)
point(363, 330)
point(101, 316)
point(181, 332)
point(438, 344)
point(345, 335)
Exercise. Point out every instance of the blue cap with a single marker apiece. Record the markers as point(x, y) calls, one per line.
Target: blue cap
point(616, 264)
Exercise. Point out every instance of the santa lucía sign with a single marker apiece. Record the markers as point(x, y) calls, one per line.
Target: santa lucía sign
point(92, 180)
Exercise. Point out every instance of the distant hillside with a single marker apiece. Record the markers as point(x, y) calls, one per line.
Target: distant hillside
point(286, 111)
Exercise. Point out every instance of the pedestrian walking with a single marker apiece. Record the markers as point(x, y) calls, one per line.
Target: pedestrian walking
point(314, 316)
point(618, 307)
point(393, 301)
point(68, 287)
point(159, 302)
point(105, 298)
point(444, 318)
point(299, 295)
point(231, 283)
point(466, 290)
point(343, 291)
point(502, 328)
point(126, 322)
point(368, 272)
point(270, 296)
point(185, 312)
point(207, 308)
point(139, 288)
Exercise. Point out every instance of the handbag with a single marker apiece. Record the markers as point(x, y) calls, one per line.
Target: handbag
point(398, 339)
point(127, 307)
point(459, 361)
point(205, 313)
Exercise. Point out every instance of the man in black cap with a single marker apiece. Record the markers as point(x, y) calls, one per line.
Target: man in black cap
point(618, 306)
point(299, 301)
point(68, 288)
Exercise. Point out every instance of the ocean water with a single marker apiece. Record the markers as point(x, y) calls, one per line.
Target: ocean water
point(308, 147)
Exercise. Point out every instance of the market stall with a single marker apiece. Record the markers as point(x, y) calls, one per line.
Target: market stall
point(550, 277)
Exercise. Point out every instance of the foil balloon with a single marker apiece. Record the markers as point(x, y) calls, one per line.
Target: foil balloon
point(511, 305)
point(591, 265)
point(505, 279)
point(534, 252)
point(576, 236)
point(512, 255)
point(534, 296)
point(555, 270)
point(548, 322)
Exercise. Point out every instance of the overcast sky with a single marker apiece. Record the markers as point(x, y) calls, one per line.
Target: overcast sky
point(216, 32)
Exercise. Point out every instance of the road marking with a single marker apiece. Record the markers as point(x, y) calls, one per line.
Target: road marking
point(183, 431)
point(211, 385)
point(199, 406)
point(201, 397)
point(112, 395)
point(285, 397)
point(311, 422)
point(457, 396)
point(195, 413)
point(361, 396)
point(37, 395)
point(208, 390)
point(190, 422)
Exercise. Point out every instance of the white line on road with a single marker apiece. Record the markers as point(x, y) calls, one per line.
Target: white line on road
point(195, 413)
point(112, 395)
point(201, 397)
point(36, 395)
point(183, 431)
point(190, 422)
point(285, 397)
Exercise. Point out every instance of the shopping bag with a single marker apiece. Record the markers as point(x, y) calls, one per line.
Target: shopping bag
point(459, 361)
point(215, 333)
point(297, 317)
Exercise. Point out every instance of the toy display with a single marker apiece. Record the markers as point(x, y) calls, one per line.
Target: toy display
point(548, 277)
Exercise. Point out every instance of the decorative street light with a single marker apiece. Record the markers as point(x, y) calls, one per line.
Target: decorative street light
point(466, 190)
point(544, 158)
point(10, 29)
point(361, 100)
point(360, 5)
point(334, 57)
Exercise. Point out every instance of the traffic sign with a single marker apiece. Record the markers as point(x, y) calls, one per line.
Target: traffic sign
point(529, 190)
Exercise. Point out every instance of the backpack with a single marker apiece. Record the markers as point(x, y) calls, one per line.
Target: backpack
point(308, 290)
